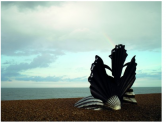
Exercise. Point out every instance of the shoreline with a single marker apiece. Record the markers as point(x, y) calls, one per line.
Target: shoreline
point(72, 97)
point(62, 109)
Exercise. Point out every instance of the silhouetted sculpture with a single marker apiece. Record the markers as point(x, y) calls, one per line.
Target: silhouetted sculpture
point(108, 91)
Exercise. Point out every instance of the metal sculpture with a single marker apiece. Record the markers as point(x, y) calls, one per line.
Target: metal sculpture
point(108, 91)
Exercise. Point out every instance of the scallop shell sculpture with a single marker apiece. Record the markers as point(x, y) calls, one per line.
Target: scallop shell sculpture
point(109, 92)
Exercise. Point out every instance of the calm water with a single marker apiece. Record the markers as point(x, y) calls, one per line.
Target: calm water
point(49, 93)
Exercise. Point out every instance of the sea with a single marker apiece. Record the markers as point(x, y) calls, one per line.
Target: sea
point(55, 93)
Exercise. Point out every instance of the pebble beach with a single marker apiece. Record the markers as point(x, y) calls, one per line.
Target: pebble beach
point(148, 109)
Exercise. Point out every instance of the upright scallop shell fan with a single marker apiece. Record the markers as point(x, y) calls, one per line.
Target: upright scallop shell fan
point(112, 91)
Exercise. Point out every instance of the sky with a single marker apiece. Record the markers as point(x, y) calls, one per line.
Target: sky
point(53, 44)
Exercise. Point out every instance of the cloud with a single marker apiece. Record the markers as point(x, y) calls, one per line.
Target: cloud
point(79, 26)
point(7, 75)
point(14, 70)
point(40, 61)
point(151, 75)
point(29, 4)
point(10, 76)
point(39, 79)
point(46, 84)
point(7, 62)
point(50, 79)
point(42, 31)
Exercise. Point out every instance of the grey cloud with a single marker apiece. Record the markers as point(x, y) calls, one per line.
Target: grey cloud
point(50, 79)
point(7, 74)
point(81, 79)
point(29, 4)
point(135, 24)
point(139, 28)
point(40, 61)
point(7, 62)
point(40, 79)
point(17, 44)
point(12, 41)
point(13, 70)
